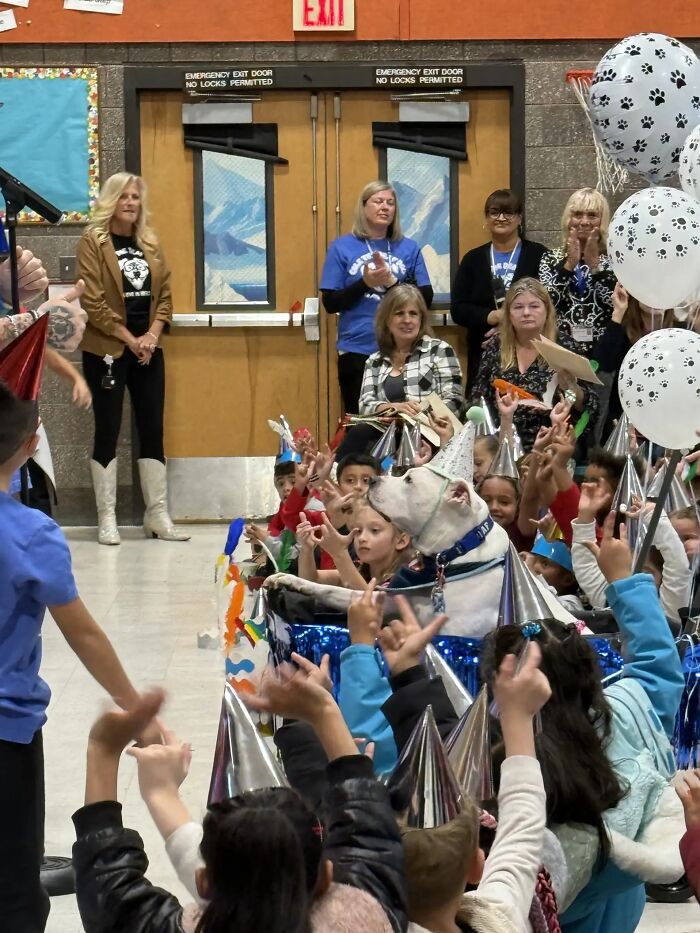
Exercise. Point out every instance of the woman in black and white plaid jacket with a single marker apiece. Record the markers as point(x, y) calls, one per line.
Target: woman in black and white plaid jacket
point(411, 363)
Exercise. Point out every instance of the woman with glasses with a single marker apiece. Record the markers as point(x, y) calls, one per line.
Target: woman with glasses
point(359, 269)
point(486, 273)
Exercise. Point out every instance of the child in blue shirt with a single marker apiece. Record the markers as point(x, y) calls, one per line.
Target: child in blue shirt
point(35, 574)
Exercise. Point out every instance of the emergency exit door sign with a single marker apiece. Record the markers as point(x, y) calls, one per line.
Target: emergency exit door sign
point(324, 15)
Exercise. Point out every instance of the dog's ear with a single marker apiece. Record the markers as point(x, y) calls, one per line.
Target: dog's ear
point(458, 495)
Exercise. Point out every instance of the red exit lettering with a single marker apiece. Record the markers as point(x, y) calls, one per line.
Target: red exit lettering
point(323, 13)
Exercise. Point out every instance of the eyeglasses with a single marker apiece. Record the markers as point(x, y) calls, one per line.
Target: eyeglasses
point(494, 213)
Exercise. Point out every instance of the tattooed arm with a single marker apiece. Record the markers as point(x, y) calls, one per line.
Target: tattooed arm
point(33, 280)
point(66, 321)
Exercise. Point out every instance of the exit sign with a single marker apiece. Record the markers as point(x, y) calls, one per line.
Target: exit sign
point(324, 15)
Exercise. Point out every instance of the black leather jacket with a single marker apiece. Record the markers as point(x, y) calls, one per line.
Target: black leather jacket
point(362, 841)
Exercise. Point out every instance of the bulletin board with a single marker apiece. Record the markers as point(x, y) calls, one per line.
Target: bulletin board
point(49, 136)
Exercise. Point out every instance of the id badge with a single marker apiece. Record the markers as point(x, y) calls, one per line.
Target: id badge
point(582, 334)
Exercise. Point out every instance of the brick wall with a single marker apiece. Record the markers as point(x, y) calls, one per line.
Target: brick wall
point(559, 159)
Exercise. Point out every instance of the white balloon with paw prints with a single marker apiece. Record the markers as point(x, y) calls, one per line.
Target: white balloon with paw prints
point(654, 246)
point(659, 386)
point(645, 99)
point(689, 166)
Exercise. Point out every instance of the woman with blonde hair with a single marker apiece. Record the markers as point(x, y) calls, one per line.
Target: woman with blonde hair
point(529, 314)
point(359, 268)
point(578, 275)
point(128, 303)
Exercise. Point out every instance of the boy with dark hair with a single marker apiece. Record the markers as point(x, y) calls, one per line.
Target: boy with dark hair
point(35, 574)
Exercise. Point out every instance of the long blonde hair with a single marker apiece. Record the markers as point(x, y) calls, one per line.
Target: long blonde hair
point(359, 225)
point(396, 299)
point(106, 204)
point(587, 199)
point(506, 329)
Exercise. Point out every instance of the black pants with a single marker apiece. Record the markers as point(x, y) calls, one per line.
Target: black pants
point(146, 385)
point(351, 368)
point(24, 905)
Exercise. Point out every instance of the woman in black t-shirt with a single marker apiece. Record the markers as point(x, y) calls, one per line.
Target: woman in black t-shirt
point(128, 303)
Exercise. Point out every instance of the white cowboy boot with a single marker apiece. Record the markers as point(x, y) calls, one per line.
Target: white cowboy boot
point(156, 520)
point(104, 479)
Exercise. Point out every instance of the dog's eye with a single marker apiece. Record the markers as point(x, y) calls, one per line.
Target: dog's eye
point(407, 478)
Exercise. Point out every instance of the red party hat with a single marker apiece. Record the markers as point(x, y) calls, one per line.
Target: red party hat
point(22, 361)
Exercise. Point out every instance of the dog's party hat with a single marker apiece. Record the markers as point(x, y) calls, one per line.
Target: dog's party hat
point(423, 786)
point(384, 450)
point(678, 495)
point(619, 441)
point(469, 750)
point(242, 759)
point(456, 458)
point(503, 464)
point(437, 666)
point(22, 361)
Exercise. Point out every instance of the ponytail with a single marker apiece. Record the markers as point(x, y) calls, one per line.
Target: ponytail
point(262, 852)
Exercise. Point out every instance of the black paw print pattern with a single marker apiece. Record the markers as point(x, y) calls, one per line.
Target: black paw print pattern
point(628, 79)
point(688, 362)
point(659, 53)
point(626, 103)
point(641, 251)
point(653, 395)
point(681, 121)
point(655, 160)
point(647, 122)
point(617, 144)
point(647, 68)
point(676, 154)
point(681, 250)
point(604, 100)
point(665, 138)
point(657, 96)
point(651, 229)
point(640, 145)
point(633, 50)
point(695, 101)
point(680, 223)
point(662, 253)
point(622, 124)
point(607, 74)
point(678, 78)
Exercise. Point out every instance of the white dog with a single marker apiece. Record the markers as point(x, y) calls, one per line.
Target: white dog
point(438, 512)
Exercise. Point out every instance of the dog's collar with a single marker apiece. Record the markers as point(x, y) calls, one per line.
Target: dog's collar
point(471, 540)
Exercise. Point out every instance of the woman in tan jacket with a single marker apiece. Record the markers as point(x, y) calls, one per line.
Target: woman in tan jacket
point(128, 303)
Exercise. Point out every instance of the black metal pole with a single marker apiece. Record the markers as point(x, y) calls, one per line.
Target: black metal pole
point(658, 509)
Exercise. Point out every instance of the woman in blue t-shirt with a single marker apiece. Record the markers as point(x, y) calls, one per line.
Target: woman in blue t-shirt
point(358, 270)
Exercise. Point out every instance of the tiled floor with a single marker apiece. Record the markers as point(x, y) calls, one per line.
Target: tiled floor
point(152, 598)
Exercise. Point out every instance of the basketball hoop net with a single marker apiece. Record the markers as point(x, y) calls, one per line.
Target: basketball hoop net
point(612, 177)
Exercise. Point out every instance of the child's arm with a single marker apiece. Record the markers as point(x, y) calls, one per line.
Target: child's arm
point(363, 686)
point(95, 651)
point(337, 546)
point(306, 566)
point(583, 529)
point(676, 574)
point(63, 368)
point(538, 489)
point(652, 656)
point(511, 869)
point(507, 406)
point(110, 863)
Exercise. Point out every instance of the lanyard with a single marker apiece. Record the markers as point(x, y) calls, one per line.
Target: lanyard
point(388, 249)
point(510, 259)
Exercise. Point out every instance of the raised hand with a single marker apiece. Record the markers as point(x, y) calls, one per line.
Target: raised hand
point(338, 507)
point(365, 616)
point(254, 534)
point(290, 692)
point(403, 641)
point(573, 250)
point(591, 251)
point(507, 406)
point(162, 768)
point(319, 673)
point(442, 427)
point(66, 320)
point(331, 540)
point(114, 729)
point(687, 785)
point(564, 444)
point(520, 687)
point(613, 554)
point(559, 415)
point(620, 303)
point(592, 499)
point(322, 467)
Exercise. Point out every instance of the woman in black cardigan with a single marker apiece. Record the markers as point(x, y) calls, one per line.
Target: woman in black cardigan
point(486, 273)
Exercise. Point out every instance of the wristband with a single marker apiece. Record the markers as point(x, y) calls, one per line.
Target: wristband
point(151, 334)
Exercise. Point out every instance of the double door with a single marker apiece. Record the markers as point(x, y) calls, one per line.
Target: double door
point(225, 382)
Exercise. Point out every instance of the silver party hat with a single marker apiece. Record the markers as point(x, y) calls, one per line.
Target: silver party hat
point(628, 488)
point(456, 459)
point(489, 425)
point(409, 445)
point(522, 601)
point(469, 750)
point(437, 666)
point(385, 449)
point(503, 464)
point(242, 759)
point(678, 495)
point(619, 441)
point(423, 786)
point(518, 449)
